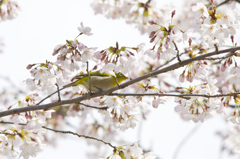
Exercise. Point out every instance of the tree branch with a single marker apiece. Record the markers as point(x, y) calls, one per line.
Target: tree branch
point(89, 80)
point(95, 107)
point(176, 48)
point(6, 133)
point(175, 95)
point(109, 91)
point(58, 90)
point(184, 141)
point(227, 1)
point(60, 131)
point(167, 62)
point(220, 58)
point(76, 134)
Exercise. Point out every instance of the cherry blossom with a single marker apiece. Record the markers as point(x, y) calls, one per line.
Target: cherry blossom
point(131, 151)
point(199, 108)
point(232, 139)
point(8, 10)
point(84, 30)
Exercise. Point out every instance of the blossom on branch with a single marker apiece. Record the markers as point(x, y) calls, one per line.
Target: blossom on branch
point(8, 9)
point(199, 108)
point(84, 30)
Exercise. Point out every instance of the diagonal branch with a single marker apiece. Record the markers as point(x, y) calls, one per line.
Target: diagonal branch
point(185, 140)
point(167, 62)
point(227, 1)
point(58, 90)
point(123, 85)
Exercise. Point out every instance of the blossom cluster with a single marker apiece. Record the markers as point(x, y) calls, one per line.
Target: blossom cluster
point(166, 39)
point(199, 108)
point(122, 112)
point(22, 134)
point(232, 139)
point(214, 25)
point(116, 114)
point(8, 10)
point(133, 12)
point(131, 151)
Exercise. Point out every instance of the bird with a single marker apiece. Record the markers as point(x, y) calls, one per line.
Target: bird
point(98, 81)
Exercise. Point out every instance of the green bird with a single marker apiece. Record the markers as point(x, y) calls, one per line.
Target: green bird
point(99, 81)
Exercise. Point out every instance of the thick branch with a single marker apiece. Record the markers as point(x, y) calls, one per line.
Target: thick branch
point(227, 1)
point(109, 91)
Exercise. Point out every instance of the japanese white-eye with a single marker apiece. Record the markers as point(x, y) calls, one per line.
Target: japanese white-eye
point(99, 81)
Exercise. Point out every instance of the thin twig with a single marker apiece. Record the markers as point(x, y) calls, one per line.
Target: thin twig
point(148, 1)
point(176, 48)
point(184, 141)
point(216, 47)
point(64, 132)
point(6, 133)
point(169, 61)
point(233, 106)
point(50, 95)
point(175, 95)
point(79, 135)
point(115, 78)
point(8, 122)
point(89, 80)
point(122, 85)
point(220, 58)
point(58, 91)
point(95, 107)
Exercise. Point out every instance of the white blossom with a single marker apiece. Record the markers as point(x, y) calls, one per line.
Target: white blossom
point(84, 30)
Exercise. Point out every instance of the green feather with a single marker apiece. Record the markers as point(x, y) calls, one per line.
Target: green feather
point(99, 81)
